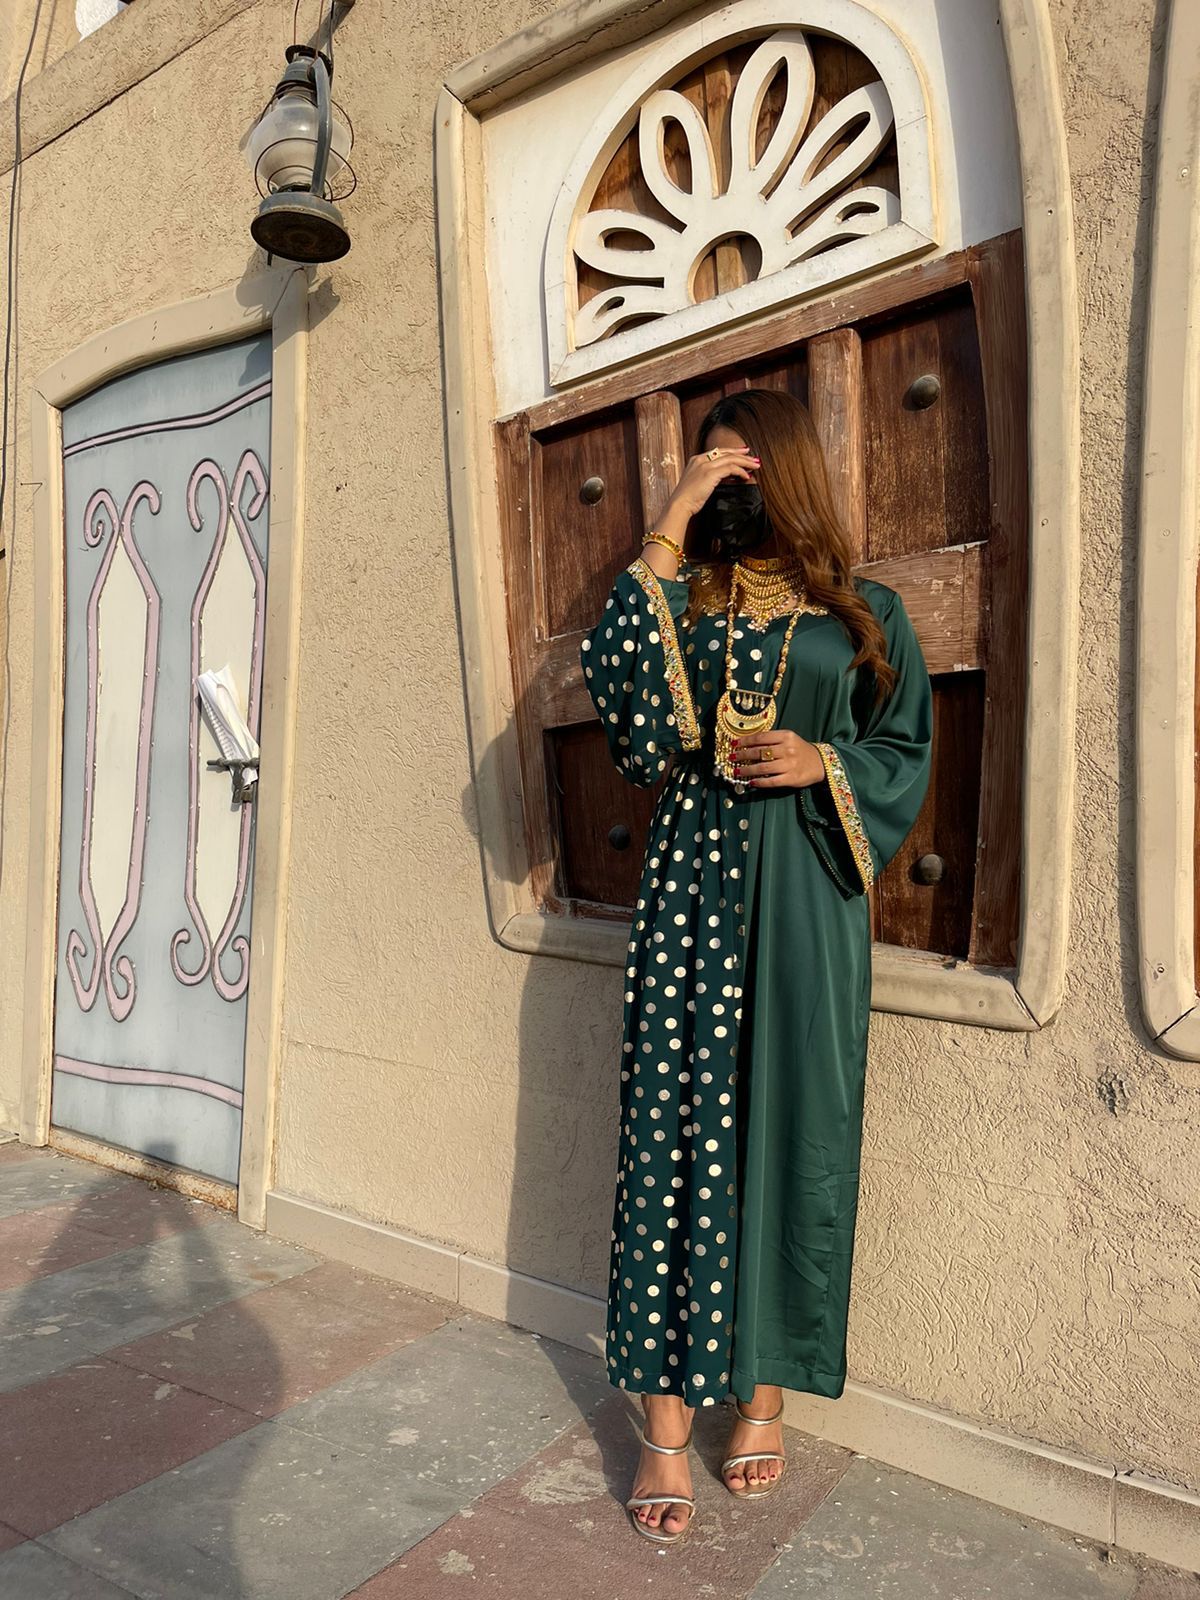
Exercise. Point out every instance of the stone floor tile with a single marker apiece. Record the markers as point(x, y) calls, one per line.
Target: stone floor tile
point(54, 1237)
point(344, 1285)
point(271, 1515)
point(35, 1573)
point(563, 1513)
point(47, 1325)
point(278, 1347)
point(136, 1212)
point(12, 1151)
point(35, 1353)
point(35, 1243)
point(49, 1179)
point(95, 1431)
point(1167, 1583)
point(465, 1405)
point(9, 1537)
point(886, 1535)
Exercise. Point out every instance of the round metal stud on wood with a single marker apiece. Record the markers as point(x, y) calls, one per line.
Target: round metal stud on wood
point(592, 491)
point(929, 869)
point(924, 391)
point(619, 837)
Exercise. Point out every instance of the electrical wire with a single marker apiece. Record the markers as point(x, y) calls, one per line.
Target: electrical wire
point(12, 266)
point(4, 418)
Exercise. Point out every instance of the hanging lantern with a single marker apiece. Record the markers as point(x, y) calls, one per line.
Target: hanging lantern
point(299, 153)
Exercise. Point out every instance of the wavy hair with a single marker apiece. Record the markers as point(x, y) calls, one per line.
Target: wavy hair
point(794, 481)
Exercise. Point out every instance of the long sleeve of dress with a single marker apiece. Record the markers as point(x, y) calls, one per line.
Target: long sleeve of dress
point(636, 676)
point(875, 783)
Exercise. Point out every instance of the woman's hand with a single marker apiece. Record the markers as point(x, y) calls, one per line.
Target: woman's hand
point(779, 760)
point(704, 472)
point(700, 477)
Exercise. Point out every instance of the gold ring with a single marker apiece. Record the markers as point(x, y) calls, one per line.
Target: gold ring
point(714, 453)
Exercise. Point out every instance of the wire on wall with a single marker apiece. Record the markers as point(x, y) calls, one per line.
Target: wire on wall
point(12, 270)
point(10, 284)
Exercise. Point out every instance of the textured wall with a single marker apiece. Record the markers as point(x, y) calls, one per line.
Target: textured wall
point(56, 34)
point(1029, 1207)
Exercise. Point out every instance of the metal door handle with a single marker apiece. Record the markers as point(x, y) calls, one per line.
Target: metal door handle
point(243, 792)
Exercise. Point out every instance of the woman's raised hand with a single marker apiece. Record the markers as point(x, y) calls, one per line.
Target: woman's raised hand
point(699, 478)
point(704, 472)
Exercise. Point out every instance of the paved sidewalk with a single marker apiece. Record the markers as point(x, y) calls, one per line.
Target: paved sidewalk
point(190, 1411)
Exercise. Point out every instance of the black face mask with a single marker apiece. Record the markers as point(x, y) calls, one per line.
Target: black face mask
point(734, 519)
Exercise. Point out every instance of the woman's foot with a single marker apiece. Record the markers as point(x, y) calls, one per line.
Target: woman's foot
point(668, 1422)
point(747, 1439)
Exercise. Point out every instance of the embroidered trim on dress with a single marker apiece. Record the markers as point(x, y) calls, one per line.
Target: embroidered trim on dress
point(852, 823)
point(675, 670)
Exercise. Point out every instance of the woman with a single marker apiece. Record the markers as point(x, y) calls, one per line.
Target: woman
point(798, 764)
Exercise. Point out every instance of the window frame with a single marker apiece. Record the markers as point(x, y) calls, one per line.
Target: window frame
point(1025, 997)
point(548, 684)
point(1167, 695)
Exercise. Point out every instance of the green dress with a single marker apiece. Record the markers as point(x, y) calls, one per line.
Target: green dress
point(748, 989)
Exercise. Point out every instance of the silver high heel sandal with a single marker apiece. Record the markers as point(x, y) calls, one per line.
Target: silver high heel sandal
point(662, 1499)
point(772, 1484)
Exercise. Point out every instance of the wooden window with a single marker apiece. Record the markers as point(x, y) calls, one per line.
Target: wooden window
point(917, 385)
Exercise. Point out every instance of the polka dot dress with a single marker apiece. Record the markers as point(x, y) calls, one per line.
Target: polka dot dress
point(680, 1193)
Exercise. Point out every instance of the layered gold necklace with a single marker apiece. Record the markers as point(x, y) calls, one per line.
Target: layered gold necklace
point(768, 587)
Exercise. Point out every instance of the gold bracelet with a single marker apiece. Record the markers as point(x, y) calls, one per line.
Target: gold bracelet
point(667, 544)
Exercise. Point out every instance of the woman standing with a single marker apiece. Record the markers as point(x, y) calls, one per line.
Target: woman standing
point(793, 705)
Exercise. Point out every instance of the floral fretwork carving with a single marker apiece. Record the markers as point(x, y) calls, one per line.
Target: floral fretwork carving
point(757, 156)
point(795, 199)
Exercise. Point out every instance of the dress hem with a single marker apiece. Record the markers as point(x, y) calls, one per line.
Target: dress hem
point(803, 1380)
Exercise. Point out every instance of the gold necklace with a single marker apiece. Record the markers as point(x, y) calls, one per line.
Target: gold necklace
point(741, 711)
point(770, 587)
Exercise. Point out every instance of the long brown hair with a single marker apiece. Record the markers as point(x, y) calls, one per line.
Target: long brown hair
point(794, 481)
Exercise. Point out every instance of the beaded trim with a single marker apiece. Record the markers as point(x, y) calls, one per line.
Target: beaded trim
point(676, 671)
point(852, 823)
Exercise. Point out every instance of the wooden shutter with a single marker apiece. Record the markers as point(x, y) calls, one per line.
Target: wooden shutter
point(576, 500)
point(942, 519)
point(917, 386)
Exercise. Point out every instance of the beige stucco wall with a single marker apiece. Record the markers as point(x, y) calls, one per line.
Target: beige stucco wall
point(1029, 1207)
point(56, 34)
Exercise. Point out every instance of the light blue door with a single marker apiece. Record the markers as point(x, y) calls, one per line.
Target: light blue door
point(165, 527)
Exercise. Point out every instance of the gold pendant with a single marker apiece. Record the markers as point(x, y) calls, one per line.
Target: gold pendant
point(739, 711)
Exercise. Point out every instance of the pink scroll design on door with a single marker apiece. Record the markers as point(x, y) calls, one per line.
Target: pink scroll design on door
point(106, 960)
point(230, 508)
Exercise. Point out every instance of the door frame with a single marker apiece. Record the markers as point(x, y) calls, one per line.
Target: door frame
point(276, 300)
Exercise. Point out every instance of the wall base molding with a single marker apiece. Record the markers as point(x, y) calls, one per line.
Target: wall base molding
point(1094, 1499)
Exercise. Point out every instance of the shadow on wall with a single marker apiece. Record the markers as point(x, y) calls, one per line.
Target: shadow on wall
point(568, 1108)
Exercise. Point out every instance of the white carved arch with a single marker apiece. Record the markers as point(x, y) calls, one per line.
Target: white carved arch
point(813, 230)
